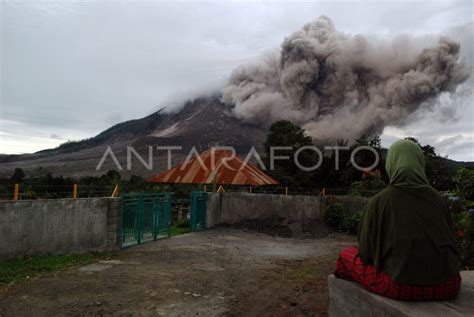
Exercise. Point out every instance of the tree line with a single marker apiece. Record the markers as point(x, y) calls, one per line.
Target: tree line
point(442, 175)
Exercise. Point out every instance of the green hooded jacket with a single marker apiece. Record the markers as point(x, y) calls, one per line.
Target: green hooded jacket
point(406, 230)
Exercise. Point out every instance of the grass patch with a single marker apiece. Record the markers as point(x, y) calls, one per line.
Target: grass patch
point(307, 272)
point(319, 266)
point(175, 230)
point(23, 268)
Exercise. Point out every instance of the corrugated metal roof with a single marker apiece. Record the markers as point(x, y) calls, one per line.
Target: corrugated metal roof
point(199, 170)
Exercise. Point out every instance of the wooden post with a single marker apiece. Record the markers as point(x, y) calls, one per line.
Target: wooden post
point(74, 191)
point(116, 191)
point(205, 188)
point(286, 191)
point(250, 189)
point(214, 184)
point(16, 193)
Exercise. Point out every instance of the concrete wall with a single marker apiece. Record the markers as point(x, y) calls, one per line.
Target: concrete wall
point(114, 241)
point(35, 227)
point(213, 213)
point(229, 208)
point(240, 206)
point(350, 299)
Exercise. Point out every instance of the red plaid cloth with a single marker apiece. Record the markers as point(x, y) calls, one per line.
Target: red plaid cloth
point(349, 266)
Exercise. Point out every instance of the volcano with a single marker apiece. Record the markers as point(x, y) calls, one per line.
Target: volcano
point(202, 123)
point(334, 85)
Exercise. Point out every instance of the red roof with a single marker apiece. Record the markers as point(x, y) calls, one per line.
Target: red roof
point(200, 171)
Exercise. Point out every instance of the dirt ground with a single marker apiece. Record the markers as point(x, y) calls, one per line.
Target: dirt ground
point(286, 228)
point(221, 271)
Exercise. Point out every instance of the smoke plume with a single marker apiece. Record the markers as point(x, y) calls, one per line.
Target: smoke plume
point(339, 86)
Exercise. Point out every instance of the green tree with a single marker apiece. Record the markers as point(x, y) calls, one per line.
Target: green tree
point(114, 176)
point(370, 185)
point(349, 174)
point(286, 134)
point(135, 184)
point(18, 175)
point(465, 183)
point(438, 171)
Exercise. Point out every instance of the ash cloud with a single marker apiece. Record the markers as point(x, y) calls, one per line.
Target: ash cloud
point(339, 86)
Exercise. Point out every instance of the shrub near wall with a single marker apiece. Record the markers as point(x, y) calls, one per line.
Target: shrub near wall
point(462, 222)
point(350, 224)
point(336, 217)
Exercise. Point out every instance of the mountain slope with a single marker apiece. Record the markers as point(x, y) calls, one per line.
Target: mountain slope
point(202, 123)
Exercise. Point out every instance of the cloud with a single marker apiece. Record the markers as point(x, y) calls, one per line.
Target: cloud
point(67, 66)
point(339, 86)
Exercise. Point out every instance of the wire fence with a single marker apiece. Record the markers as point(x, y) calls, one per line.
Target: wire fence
point(287, 190)
point(74, 191)
point(40, 191)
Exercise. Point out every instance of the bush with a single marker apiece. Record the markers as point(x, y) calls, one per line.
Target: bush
point(462, 227)
point(182, 223)
point(465, 183)
point(334, 215)
point(462, 224)
point(175, 231)
point(350, 224)
point(336, 218)
point(370, 185)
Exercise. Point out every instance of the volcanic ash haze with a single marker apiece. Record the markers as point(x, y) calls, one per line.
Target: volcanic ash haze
point(340, 86)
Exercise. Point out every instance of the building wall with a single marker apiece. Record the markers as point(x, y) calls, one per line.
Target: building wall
point(229, 208)
point(38, 227)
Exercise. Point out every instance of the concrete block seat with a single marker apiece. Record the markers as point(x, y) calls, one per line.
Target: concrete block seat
point(350, 299)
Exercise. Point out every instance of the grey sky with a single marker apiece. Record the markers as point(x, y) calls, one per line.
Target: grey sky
point(70, 69)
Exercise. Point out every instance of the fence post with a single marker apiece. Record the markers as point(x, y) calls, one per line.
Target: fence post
point(286, 191)
point(116, 191)
point(74, 191)
point(250, 189)
point(16, 193)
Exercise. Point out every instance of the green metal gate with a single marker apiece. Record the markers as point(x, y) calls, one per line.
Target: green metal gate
point(145, 217)
point(198, 210)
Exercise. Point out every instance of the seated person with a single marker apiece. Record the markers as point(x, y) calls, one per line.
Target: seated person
point(407, 248)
